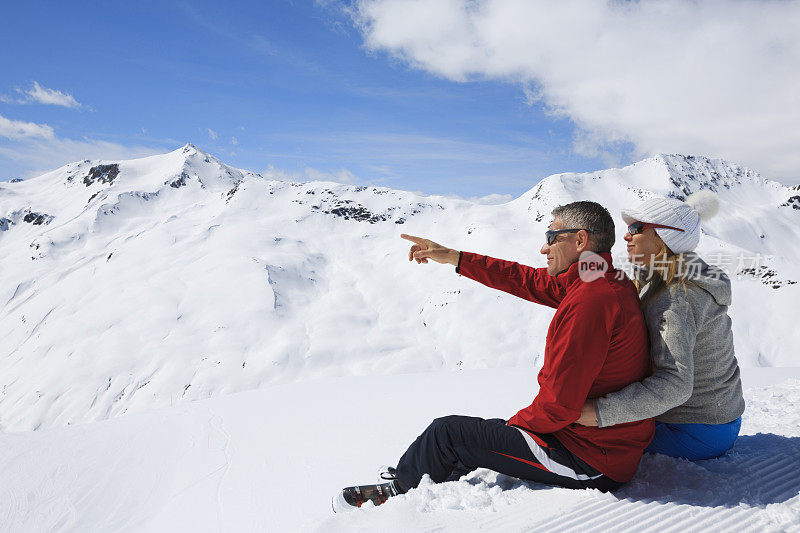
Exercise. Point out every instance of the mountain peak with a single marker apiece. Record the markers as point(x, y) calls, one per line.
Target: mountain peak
point(189, 149)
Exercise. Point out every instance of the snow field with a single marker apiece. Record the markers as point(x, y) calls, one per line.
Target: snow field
point(271, 459)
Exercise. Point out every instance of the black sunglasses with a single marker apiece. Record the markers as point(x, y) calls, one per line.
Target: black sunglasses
point(551, 234)
point(637, 227)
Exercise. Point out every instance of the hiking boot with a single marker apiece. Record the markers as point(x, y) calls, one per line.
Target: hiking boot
point(351, 498)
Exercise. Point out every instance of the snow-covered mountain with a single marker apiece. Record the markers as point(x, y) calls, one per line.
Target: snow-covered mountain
point(135, 284)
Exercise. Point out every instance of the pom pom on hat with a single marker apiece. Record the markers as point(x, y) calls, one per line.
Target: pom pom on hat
point(686, 216)
point(705, 202)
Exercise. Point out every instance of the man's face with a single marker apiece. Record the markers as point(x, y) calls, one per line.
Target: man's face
point(564, 251)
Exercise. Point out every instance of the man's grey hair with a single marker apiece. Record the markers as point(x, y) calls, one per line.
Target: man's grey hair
point(590, 216)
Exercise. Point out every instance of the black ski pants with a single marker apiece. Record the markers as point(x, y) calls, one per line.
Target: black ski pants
point(453, 446)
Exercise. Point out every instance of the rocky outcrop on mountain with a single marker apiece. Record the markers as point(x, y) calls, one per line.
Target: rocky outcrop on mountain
point(101, 174)
point(793, 202)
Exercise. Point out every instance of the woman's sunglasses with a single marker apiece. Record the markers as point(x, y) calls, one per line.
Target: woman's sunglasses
point(551, 234)
point(637, 227)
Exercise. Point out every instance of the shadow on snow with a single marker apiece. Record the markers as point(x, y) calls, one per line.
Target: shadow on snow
point(760, 469)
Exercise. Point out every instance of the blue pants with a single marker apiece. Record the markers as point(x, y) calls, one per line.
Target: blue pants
point(453, 446)
point(694, 441)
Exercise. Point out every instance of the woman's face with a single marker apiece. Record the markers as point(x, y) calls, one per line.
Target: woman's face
point(643, 247)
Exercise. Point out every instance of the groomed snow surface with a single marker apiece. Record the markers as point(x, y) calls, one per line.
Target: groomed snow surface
point(270, 460)
point(187, 346)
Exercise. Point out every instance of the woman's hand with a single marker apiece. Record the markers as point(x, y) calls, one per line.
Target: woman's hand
point(588, 414)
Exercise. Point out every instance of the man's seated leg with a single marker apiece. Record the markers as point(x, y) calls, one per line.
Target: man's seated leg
point(454, 445)
point(458, 472)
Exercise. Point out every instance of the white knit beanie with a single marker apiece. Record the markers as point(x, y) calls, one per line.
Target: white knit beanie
point(701, 205)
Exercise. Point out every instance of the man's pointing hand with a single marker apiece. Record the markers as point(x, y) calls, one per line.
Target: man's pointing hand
point(424, 249)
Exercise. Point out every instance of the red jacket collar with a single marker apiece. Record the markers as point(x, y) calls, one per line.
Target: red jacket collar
point(572, 275)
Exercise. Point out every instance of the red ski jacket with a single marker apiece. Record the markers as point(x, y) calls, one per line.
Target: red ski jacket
point(596, 343)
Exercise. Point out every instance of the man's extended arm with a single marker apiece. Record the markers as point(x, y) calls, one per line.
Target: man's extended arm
point(424, 249)
point(533, 284)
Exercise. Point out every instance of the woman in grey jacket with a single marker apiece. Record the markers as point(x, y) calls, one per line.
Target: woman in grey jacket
point(694, 392)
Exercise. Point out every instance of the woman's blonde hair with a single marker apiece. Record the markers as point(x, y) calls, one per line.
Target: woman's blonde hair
point(665, 268)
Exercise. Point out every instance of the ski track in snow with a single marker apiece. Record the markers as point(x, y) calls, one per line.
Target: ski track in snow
point(217, 423)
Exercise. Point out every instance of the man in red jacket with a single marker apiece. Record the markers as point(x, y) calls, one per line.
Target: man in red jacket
point(596, 343)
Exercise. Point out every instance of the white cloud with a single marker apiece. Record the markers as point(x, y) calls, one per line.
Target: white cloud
point(260, 44)
point(341, 175)
point(43, 95)
point(34, 148)
point(489, 199)
point(39, 155)
point(213, 134)
point(703, 76)
point(18, 129)
point(402, 148)
point(345, 176)
point(234, 141)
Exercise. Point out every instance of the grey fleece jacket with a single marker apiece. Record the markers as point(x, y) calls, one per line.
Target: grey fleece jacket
point(696, 377)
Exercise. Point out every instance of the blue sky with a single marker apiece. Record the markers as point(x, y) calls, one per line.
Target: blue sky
point(280, 84)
